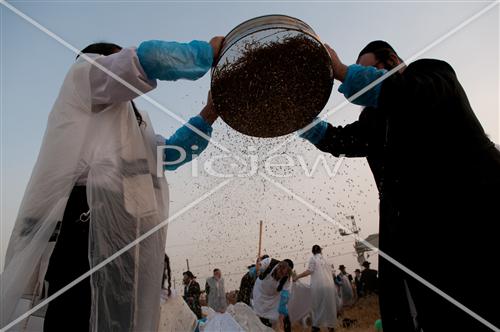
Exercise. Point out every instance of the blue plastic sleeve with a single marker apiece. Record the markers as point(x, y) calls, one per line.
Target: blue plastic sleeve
point(170, 61)
point(284, 297)
point(185, 138)
point(357, 78)
point(316, 133)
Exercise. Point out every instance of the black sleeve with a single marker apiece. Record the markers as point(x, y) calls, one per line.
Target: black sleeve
point(207, 288)
point(351, 140)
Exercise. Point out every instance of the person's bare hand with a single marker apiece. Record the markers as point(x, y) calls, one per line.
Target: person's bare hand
point(216, 43)
point(208, 112)
point(339, 69)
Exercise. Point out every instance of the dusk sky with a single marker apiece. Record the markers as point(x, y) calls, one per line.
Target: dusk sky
point(222, 231)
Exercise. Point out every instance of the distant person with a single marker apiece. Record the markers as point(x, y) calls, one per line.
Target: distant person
point(369, 279)
point(246, 285)
point(175, 314)
point(346, 292)
point(248, 281)
point(323, 291)
point(166, 276)
point(338, 299)
point(192, 293)
point(216, 293)
point(274, 277)
point(358, 284)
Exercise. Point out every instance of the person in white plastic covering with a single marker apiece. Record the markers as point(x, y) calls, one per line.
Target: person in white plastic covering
point(345, 283)
point(216, 293)
point(274, 277)
point(323, 292)
point(96, 187)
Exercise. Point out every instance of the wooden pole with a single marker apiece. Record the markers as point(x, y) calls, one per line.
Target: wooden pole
point(259, 253)
point(187, 264)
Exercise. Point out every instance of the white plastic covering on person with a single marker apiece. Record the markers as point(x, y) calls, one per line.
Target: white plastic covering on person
point(266, 297)
point(116, 158)
point(346, 292)
point(300, 303)
point(323, 293)
point(216, 294)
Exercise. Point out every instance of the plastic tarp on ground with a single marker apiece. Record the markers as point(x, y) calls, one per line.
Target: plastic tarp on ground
point(175, 315)
point(247, 318)
point(221, 323)
point(238, 318)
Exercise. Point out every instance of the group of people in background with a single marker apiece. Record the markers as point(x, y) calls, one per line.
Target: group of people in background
point(214, 290)
point(268, 286)
point(363, 283)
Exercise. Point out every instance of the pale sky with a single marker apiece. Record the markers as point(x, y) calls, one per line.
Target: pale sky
point(222, 231)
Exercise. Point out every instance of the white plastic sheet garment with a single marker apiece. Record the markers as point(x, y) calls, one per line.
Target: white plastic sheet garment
point(266, 298)
point(247, 318)
point(222, 323)
point(217, 294)
point(238, 318)
point(323, 293)
point(346, 292)
point(125, 195)
point(208, 312)
point(300, 303)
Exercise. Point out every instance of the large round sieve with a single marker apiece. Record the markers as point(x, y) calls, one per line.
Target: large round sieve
point(273, 76)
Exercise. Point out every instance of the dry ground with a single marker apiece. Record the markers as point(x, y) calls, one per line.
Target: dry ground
point(365, 311)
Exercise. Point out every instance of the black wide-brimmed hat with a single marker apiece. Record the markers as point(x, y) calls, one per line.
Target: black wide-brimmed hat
point(366, 263)
point(341, 267)
point(189, 274)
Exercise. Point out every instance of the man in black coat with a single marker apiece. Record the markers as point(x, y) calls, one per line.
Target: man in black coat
point(369, 279)
point(438, 177)
point(358, 283)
